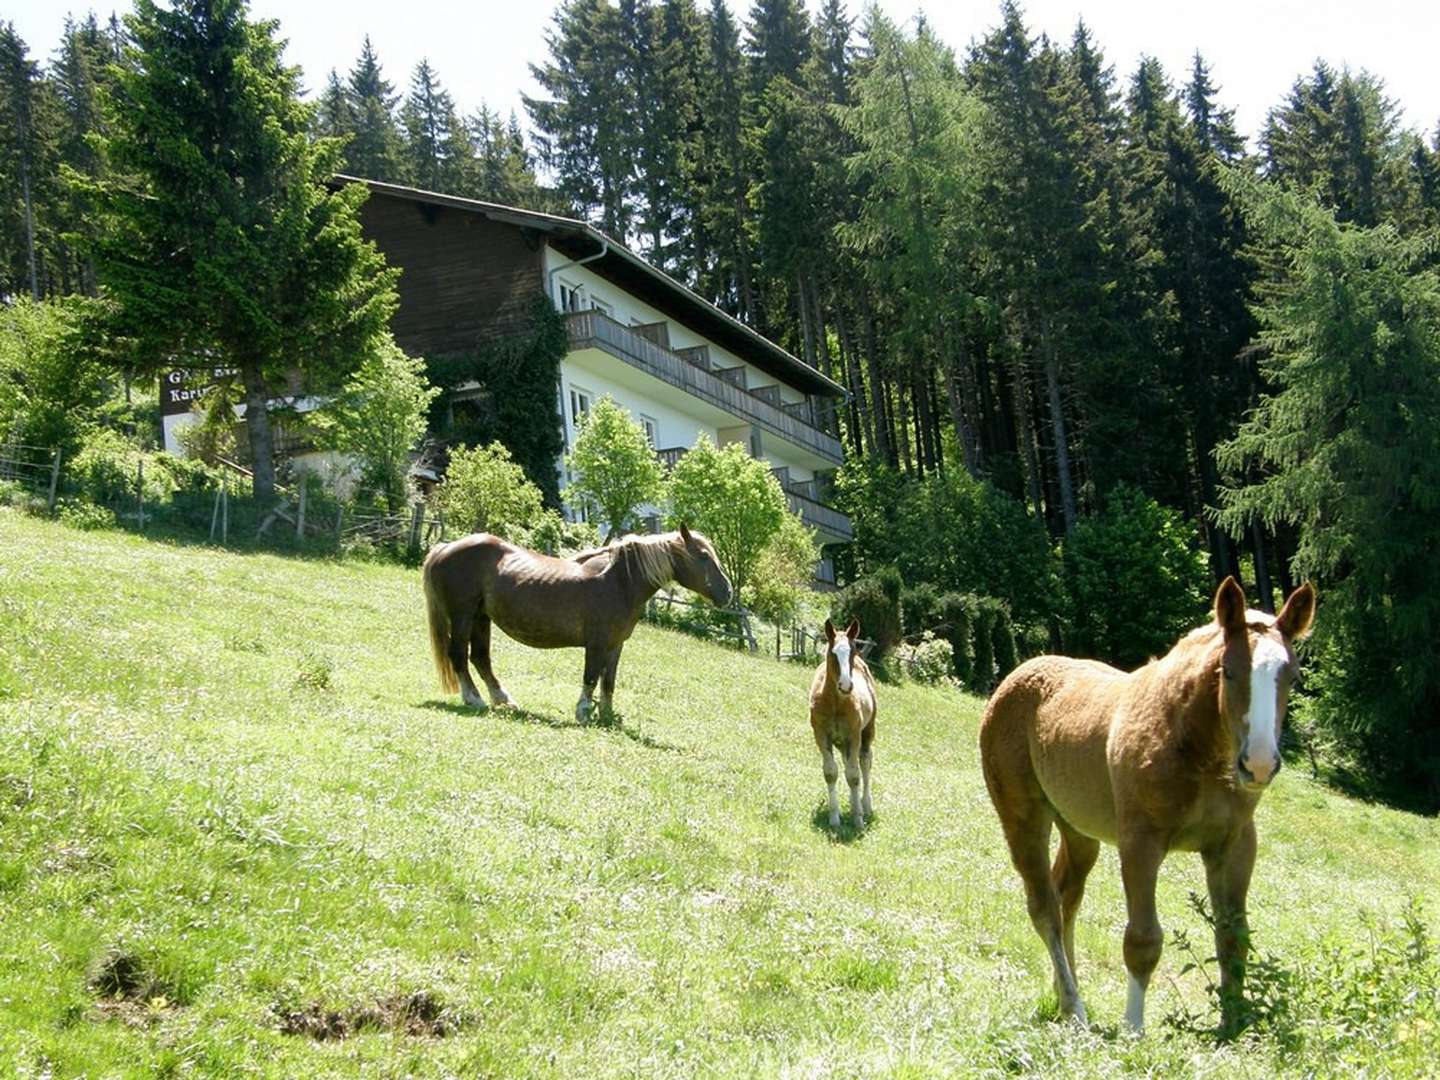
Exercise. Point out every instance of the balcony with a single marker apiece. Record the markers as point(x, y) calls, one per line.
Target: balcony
point(595, 330)
point(834, 526)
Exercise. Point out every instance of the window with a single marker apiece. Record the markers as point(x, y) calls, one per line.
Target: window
point(755, 450)
point(572, 296)
point(579, 405)
point(652, 430)
point(602, 307)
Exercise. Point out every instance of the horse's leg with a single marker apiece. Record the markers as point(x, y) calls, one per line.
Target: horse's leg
point(1073, 862)
point(1026, 816)
point(1227, 873)
point(607, 679)
point(1141, 854)
point(852, 775)
point(480, 657)
point(829, 767)
point(460, 631)
point(595, 660)
point(866, 741)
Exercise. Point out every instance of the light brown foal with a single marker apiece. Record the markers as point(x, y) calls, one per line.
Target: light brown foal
point(842, 713)
point(1172, 757)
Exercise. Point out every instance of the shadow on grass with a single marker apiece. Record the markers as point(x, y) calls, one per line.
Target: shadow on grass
point(613, 722)
point(846, 833)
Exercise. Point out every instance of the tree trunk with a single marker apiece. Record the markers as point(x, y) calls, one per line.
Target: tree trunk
point(1262, 568)
point(29, 226)
point(1027, 436)
point(879, 415)
point(257, 426)
point(802, 303)
point(1063, 474)
point(822, 338)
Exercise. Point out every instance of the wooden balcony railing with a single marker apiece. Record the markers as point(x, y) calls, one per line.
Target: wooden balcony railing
point(593, 329)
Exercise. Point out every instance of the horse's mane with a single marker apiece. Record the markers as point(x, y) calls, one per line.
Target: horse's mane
point(648, 556)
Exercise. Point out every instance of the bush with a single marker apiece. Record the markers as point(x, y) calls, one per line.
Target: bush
point(920, 608)
point(486, 491)
point(614, 466)
point(982, 660)
point(553, 535)
point(875, 601)
point(930, 660)
point(1135, 580)
point(957, 615)
point(733, 499)
point(782, 574)
point(83, 515)
point(51, 380)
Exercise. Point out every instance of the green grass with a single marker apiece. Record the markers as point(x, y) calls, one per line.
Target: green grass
point(233, 804)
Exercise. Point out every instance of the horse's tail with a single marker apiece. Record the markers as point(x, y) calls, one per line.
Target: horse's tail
point(439, 625)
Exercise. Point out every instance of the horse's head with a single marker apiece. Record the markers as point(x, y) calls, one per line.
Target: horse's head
point(1257, 666)
point(840, 654)
point(696, 567)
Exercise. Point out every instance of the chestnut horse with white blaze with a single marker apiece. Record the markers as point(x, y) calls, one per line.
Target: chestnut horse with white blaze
point(1171, 757)
point(842, 713)
point(592, 601)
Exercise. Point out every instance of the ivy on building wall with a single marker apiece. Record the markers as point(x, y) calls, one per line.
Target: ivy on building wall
point(517, 403)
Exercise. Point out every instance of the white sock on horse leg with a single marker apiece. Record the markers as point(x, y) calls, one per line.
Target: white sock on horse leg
point(1135, 1005)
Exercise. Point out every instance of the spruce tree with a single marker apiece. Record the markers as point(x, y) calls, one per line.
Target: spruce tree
point(375, 151)
point(221, 236)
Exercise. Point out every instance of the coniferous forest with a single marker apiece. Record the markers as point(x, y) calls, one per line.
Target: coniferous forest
point(1101, 348)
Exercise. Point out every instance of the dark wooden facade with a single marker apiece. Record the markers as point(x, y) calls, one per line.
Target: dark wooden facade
point(464, 278)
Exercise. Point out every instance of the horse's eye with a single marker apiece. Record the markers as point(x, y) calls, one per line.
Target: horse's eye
point(1229, 675)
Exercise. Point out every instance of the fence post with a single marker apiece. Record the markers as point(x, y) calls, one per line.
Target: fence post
point(415, 518)
point(215, 514)
point(140, 490)
point(54, 482)
point(300, 513)
point(224, 514)
point(340, 523)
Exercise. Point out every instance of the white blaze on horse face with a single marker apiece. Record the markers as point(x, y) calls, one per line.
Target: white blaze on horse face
point(841, 649)
point(1261, 752)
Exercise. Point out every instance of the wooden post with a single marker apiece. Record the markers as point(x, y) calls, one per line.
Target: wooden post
point(415, 518)
point(300, 513)
point(140, 490)
point(54, 482)
point(215, 514)
point(339, 524)
point(224, 513)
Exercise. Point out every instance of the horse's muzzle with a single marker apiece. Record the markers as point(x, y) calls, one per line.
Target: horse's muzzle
point(1247, 778)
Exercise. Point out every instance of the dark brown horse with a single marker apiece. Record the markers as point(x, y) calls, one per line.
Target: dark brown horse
point(1172, 757)
point(592, 601)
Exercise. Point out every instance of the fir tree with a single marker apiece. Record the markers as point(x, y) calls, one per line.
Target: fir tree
point(374, 152)
point(223, 239)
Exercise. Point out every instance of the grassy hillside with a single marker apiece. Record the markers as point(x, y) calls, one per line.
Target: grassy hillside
point(237, 821)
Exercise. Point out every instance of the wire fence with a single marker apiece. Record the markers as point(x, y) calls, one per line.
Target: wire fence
point(33, 469)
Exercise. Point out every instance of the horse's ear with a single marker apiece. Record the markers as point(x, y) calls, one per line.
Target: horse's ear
point(1298, 613)
point(685, 532)
point(853, 630)
point(1230, 605)
point(829, 631)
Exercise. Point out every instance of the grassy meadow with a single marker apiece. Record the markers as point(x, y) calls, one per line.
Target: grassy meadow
point(242, 834)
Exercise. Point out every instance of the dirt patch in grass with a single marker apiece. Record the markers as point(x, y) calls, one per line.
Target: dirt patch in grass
point(128, 990)
point(420, 1013)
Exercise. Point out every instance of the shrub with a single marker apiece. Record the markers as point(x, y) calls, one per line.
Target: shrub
point(614, 466)
point(733, 499)
point(930, 660)
point(1135, 580)
point(957, 615)
point(982, 662)
point(1002, 640)
point(51, 380)
point(84, 515)
point(379, 417)
point(783, 572)
point(875, 601)
point(920, 608)
point(486, 491)
point(553, 535)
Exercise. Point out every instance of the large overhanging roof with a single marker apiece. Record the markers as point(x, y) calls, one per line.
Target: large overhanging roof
point(578, 240)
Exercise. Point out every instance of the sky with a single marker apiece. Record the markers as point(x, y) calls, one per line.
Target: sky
point(1255, 48)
